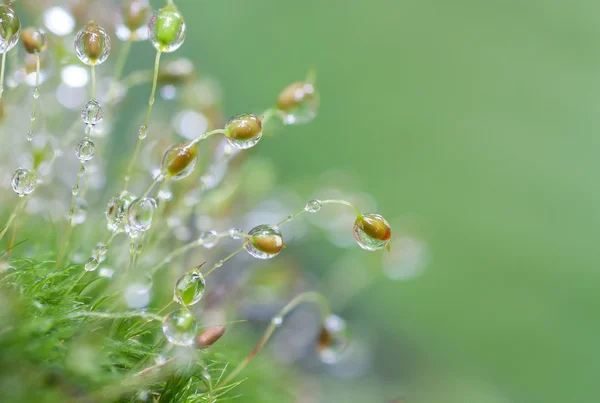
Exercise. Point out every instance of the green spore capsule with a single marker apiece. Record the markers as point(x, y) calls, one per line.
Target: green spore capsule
point(92, 44)
point(333, 339)
point(10, 28)
point(167, 29)
point(23, 181)
point(372, 232)
point(244, 131)
point(34, 40)
point(298, 103)
point(264, 242)
point(140, 214)
point(189, 289)
point(180, 160)
point(180, 327)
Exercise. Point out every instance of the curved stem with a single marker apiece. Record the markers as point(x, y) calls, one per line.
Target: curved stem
point(313, 297)
point(205, 136)
point(144, 128)
point(345, 203)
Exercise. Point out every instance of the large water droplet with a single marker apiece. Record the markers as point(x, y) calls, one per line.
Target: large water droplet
point(236, 233)
point(180, 160)
point(116, 211)
point(80, 211)
point(189, 289)
point(209, 239)
point(10, 28)
point(244, 131)
point(142, 132)
point(167, 29)
point(180, 327)
point(140, 214)
point(372, 232)
point(92, 113)
point(264, 242)
point(85, 150)
point(333, 339)
point(92, 44)
point(23, 181)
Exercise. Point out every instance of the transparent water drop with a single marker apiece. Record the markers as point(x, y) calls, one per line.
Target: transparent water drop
point(209, 239)
point(189, 289)
point(75, 190)
point(92, 44)
point(264, 242)
point(137, 295)
point(167, 29)
point(298, 103)
point(236, 233)
point(106, 272)
point(10, 28)
point(333, 339)
point(92, 113)
point(92, 264)
point(59, 21)
point(142, 132)
point(313, 206)
point(180, 327)
point(29, 135)
point(36, 93)
point(85, 150)
point(244, 131)
point(372, 232)
point(23, 181)
point(140, 214)
point(80, 211)
point(116, 211)
point(100, 251)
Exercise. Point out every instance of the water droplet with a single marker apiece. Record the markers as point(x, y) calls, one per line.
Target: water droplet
point(92, 113)
point(99, 251)
point(36, 93)
point(142, 132)
point(137, 295)
point(209, 239)
point(372, 232)
point(85, 150)
point(80, 211)
point(29, 135)
point(92, 44)
point(140, 214)
point(10, 28)
point(23, 181)
point(313, 206)
point(167, 29)
point(264, 242)
point(189, 289)
point(298, 103)
point(75, 189)
point(116, 210)
point(277, 320)
point(180, 160)
point(92, 264)
point(333, 339)
point(33, 116)
point(236, 233)
point(244, 131)
point(180, 327)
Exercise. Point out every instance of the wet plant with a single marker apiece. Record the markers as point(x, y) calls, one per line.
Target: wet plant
point(99, 302)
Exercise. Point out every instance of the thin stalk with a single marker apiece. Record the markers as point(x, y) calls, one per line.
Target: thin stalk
point(158, 180)
point(36, 94)
point(11, 218)
point(345, 203)
point(74, 192)
point(93, 72)
point(276, 321)
point(146, 121)
point(205, 136)
point(3, 66)
point(222, 261)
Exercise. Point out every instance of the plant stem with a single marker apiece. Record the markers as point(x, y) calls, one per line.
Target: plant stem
point(11, 218)
point(35, 97)
point(220, 262)
point(74, 192)
point(3, 66)
point(146, 121)
point(276, 321)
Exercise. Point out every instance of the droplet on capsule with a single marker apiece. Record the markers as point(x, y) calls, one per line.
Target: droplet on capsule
point(180, 327)
point(372, 232)
point(264, 242)
point(189, 289)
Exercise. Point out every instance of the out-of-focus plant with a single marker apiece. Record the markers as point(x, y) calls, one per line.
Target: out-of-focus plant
point(71, 327)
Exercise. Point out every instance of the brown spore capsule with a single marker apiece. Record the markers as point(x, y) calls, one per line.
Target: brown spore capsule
point(244, 127)
point(210, 336)
point(293, 95)
point(375, 226)
point(34, 40)
point(135, 13)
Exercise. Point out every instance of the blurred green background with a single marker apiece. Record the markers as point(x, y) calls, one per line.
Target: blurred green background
point(478, 117)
